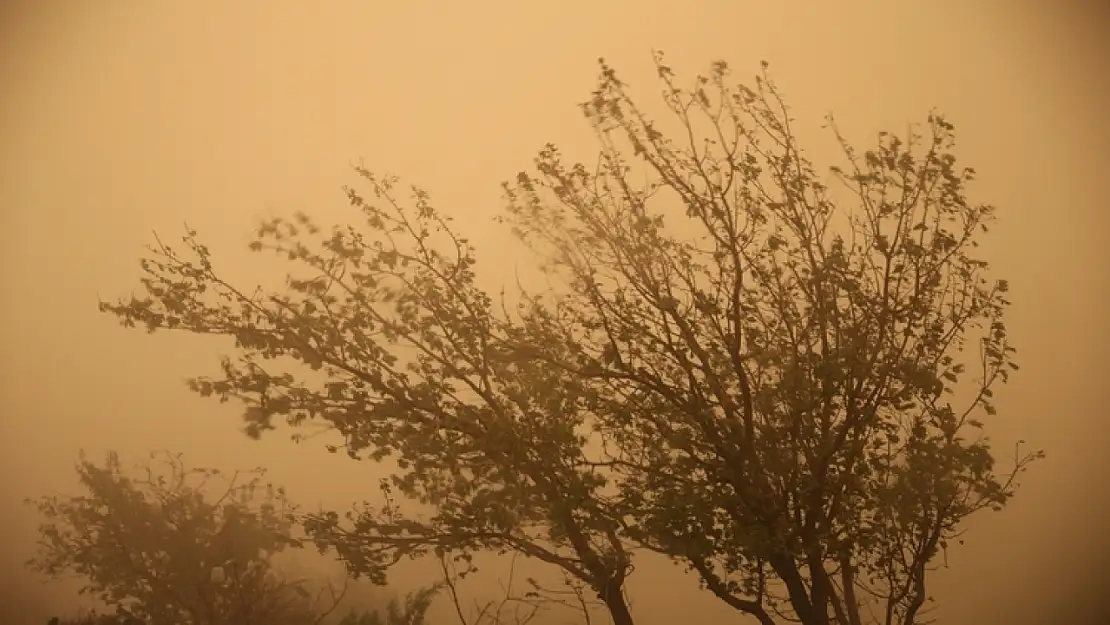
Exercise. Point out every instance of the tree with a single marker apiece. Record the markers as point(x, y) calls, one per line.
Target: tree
point(93, 618)
point(773, 384)
point(412, 612)
point(781, 385)
point(405, 357)
point(154, 547)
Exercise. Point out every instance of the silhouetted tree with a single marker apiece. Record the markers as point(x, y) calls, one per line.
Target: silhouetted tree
point(779, 376)
point(741, 369)
point(404, 358)
point(155, 547)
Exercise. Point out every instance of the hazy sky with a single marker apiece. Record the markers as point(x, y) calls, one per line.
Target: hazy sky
point(120, 117)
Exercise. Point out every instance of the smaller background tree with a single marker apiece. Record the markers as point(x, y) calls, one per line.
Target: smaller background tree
point(93, 617)
point(413, 611)
point(156, 547)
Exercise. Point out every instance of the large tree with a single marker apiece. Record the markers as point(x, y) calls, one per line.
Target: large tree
point(782, 366)
point(168, 544)
point(382, 335)
point(741, 369)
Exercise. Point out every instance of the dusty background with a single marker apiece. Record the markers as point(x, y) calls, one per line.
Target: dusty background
point(119, 118)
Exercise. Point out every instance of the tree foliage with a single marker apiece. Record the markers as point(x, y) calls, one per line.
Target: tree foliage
point(786, 385)
point(386, 338)
point(767, 377)
point(156, 546)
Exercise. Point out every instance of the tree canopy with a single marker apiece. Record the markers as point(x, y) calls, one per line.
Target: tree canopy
point(774, 376)
point(787, 389)
point(161, 547)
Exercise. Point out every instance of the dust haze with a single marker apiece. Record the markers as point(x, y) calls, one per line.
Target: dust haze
point(126, 118)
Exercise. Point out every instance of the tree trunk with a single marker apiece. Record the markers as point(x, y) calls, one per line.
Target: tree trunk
point(618, 608)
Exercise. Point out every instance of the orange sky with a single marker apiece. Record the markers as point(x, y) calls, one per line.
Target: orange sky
point(119, 118)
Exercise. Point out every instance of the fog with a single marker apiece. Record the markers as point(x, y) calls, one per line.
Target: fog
point(124, 118)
